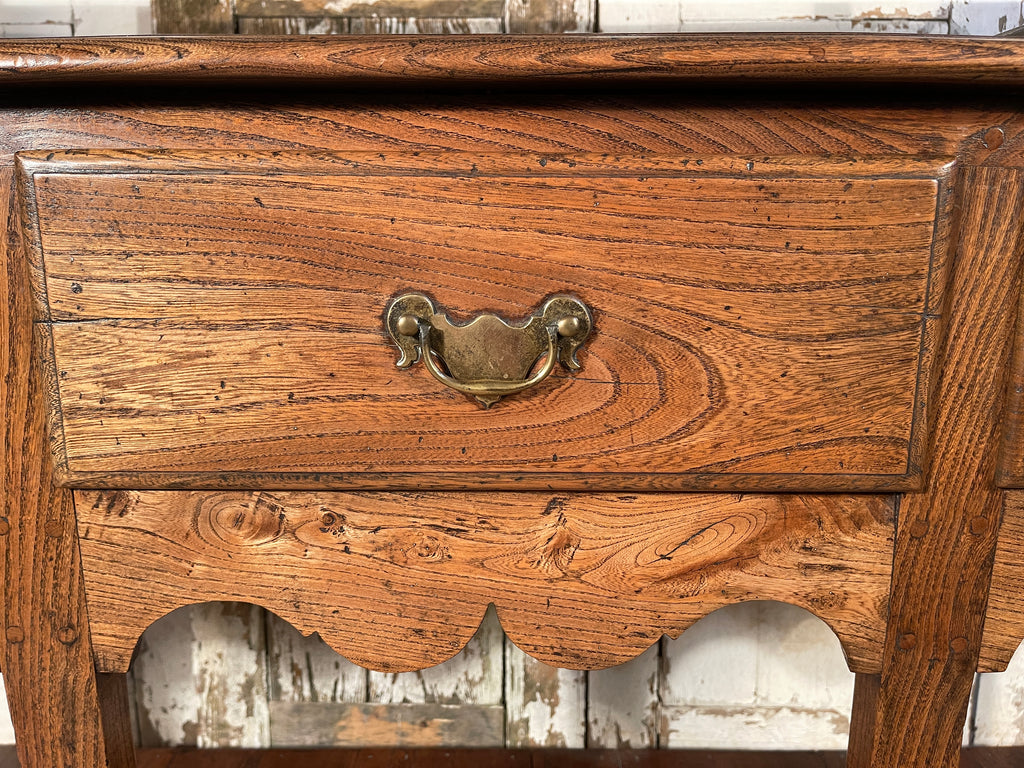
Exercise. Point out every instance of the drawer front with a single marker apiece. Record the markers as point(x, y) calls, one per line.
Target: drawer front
point(218, 320)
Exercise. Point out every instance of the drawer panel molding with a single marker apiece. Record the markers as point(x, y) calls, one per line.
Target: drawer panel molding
point(215, 320)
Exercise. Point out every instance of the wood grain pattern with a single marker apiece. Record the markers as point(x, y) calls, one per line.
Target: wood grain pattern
point(1004, 615)
point(947, 535)
point(553, 122)
point(245, 310)
point(112, 692)
point(578, 581)
point(593, 58)
point(677, 121)
point(48, 662)
point(1010, 470)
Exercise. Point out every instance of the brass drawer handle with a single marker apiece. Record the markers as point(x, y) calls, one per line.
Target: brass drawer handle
point(488, 358)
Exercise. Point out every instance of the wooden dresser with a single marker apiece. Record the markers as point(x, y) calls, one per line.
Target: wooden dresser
point(764, 292)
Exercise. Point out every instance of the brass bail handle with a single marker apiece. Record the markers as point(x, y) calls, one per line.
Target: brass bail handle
point(488, 358)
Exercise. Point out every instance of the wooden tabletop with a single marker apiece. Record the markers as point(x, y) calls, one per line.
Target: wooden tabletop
point(376, 60)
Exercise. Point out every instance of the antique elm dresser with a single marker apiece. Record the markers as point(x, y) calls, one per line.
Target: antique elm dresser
point(606, 331)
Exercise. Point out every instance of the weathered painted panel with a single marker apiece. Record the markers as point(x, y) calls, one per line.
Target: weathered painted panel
point(301, 17)
point(544, 706)
point(548, 16)
point(6, 728)
point(200, 677)
point(760, 675)
point(368, 25)
point(474, 676)
point(379, 725)
point(622, 703)
point(197, 17)
point(999, 715)
point(35, 30)
point(112, 17)
point(35, 12)
point(787, 15)
point(304, 669)
point(984, 17)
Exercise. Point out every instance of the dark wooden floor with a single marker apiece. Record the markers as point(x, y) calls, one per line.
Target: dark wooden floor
point(523, 758)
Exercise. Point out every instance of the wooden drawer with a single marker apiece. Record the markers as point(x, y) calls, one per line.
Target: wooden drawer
point(216, 320)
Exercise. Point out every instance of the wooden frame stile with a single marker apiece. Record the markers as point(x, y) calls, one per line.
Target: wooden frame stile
point(48, 663)
point(1004, 624)
point(939, 593)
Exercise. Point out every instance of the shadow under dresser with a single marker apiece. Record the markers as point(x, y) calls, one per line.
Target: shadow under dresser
point(607, 332)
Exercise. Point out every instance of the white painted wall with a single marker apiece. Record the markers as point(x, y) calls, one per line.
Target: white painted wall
point(59, 18)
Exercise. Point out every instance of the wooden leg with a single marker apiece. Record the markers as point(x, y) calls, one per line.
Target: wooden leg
point(862, 722)
point(945, 541)
point(48, 664)
point(117, 730)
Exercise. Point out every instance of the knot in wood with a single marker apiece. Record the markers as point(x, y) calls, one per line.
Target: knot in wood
point(332, 522)
point(240, 525)
point(15, 635)
point(5, 527)
point(560, 549)
point(431, 548)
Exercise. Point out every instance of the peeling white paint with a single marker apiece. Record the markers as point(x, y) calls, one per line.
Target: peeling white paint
point(472, 677)
point(999, 714)
point(622, 703)
point(759, 675)
point(545, 707)
point(201, 678)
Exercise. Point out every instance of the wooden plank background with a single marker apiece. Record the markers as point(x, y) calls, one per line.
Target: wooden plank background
point(751, 675)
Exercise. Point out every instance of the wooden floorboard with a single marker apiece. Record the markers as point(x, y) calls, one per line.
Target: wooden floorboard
point(981, 757)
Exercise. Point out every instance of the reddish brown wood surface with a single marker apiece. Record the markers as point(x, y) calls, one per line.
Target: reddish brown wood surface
point(753, 317)
point(553, 122)
point(115, 717)
point(978, 757)
point(400, 581)
point(590, 58)
point(48, 663)
point(862, 720)
point(501, 758)
point(1004, 616)
point(947, 534)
